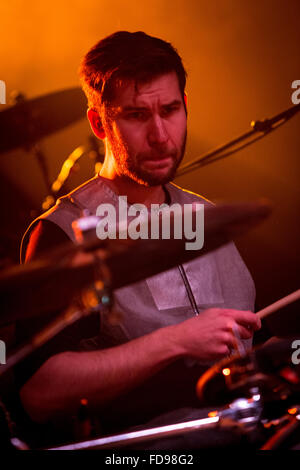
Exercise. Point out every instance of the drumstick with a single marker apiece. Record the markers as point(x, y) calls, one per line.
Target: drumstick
point(279, 304)
point(239, 345)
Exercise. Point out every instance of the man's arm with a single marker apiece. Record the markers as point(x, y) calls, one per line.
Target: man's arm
point(100, 376)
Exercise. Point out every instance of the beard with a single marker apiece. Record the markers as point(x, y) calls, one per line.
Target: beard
point(131, 167)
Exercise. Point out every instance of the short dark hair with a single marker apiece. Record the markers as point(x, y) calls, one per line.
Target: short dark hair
point(122, 56)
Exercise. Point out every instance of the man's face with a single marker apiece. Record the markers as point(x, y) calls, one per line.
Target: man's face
point(146, 130)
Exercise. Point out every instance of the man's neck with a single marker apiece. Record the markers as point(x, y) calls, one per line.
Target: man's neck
point(135, 192)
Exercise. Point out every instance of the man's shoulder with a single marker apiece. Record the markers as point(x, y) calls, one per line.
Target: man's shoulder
point(68, 208)
point(84, 188)
point(184, 196)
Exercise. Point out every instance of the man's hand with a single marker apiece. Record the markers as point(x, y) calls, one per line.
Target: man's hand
point(103, 375)
point(210, 335)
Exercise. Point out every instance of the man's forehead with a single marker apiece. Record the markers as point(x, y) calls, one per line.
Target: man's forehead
point(164, 89)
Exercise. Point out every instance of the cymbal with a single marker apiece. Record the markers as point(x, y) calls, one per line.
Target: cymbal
point(52, 281)
point(25, 123)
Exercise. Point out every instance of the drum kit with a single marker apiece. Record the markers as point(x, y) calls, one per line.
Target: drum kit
point(256, 392)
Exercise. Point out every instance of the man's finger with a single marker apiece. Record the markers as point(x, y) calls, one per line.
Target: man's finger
point(247, 319)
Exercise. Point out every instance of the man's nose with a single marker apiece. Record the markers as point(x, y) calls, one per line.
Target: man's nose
point(157, 133)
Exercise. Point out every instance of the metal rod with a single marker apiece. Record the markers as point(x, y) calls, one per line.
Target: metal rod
point(143, 435)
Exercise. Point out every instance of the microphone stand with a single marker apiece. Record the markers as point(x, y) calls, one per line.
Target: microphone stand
point(262, 128)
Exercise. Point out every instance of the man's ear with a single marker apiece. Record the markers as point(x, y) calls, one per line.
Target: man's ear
point(185, 101)
point(96, 123)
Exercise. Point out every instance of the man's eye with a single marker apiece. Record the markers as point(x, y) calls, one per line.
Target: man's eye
point(169, 111)
point(137, 115)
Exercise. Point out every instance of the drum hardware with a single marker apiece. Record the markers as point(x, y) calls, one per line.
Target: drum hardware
point(285, 427)
point(270, 369)
point(241, 412)
point(65, 319)
point(97, 298)
point(282, 420)
point(235, 376)
point(249, 411)
point(18, 444)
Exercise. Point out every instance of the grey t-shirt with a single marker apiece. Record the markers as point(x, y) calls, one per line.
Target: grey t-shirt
point(216, 279)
